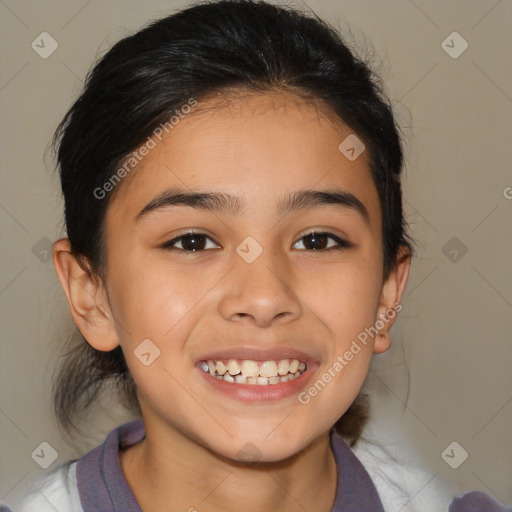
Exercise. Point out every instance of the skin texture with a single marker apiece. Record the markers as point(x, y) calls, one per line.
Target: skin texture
point(258, 147)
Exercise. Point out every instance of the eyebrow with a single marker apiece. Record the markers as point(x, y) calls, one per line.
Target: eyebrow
point(222, 202)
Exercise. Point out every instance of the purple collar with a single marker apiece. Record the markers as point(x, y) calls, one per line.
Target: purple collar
point(102, 486)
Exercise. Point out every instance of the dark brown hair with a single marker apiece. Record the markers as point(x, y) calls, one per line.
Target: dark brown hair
point(196, 52)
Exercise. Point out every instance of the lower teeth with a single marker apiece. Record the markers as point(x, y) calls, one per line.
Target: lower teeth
point(258, 381)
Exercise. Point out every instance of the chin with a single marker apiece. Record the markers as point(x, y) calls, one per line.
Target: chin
point(259, 447)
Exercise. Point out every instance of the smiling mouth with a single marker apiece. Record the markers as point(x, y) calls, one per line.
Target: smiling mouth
point(248, 371)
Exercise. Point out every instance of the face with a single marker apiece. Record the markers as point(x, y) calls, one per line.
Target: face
point(252, 292)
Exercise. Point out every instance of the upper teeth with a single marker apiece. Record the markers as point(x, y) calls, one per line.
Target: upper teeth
point(252, 369)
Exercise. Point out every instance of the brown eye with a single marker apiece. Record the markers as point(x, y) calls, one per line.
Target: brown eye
point(190, 242)
point(318, 241)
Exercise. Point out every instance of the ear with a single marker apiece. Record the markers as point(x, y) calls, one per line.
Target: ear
point(389, 306)
point(87, 298)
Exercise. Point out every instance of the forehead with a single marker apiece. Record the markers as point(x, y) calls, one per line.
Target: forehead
point(256, 146)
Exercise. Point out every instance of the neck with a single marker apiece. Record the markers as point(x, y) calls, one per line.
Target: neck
point(161, 470)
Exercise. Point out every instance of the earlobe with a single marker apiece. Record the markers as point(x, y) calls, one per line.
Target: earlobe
point(86, 298)
point(389, 307)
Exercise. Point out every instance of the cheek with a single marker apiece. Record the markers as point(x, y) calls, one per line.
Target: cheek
point(153, 301)
point(346, 298)
point(158, 309)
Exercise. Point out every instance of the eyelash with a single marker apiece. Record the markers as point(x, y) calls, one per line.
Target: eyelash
point(342, 244)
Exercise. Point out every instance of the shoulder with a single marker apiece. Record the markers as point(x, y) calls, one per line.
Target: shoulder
point(402, 482)
point(47, 492)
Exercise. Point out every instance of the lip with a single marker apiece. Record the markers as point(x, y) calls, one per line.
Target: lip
point(253, 392)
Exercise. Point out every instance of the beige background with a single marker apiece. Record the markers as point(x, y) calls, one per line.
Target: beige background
point(452, 343)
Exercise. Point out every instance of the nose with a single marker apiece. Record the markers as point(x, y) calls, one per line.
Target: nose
point(260, 292)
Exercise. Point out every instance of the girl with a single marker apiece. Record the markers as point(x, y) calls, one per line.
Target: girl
point(236, 252)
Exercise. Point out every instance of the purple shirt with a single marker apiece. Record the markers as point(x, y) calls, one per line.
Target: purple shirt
point(103, 488)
